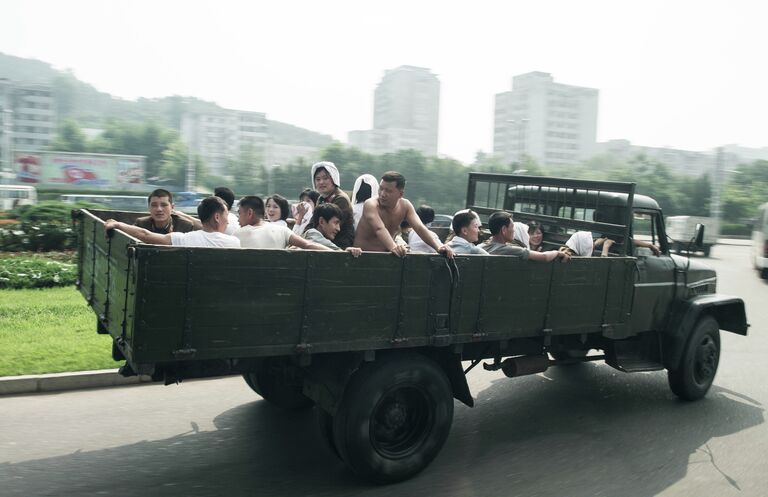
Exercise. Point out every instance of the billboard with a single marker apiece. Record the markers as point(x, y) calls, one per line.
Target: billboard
point(75, 170)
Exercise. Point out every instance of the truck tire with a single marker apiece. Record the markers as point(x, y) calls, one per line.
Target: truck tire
point(279, 383)
point(325, 428)
point(764, 273)
point(698, 365)
point(707, 250)
point(394, 417)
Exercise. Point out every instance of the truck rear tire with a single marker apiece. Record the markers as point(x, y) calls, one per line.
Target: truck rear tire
point(707, 249)
point(698, 365)
point(394, 417)
point(325, 428)
point(279, 383)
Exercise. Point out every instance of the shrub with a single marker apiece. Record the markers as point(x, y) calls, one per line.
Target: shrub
point(41, 227)
point(35, 272)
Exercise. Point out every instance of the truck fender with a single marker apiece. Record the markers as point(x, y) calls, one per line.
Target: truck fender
point(727, 310)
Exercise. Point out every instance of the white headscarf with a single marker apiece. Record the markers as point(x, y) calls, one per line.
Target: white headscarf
point(368, 179)
point(521, 234)
point(581, 243)
point(357, 207)
point(332, 170)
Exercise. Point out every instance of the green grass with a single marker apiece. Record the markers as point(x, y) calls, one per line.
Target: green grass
point(50, 330)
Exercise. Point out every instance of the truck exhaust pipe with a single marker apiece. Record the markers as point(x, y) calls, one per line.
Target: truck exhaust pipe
point(525, 365)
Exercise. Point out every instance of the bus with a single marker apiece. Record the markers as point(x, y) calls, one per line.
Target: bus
point(133, 203)
point(14, 195)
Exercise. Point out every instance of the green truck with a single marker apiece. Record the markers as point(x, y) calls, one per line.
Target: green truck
point(381, 345)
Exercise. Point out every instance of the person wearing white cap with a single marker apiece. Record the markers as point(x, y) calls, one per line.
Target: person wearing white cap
point(366, 187)
point(382, 217)
point(325, 177)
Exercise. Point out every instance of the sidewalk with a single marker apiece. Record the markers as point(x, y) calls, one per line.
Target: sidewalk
point(17, 385)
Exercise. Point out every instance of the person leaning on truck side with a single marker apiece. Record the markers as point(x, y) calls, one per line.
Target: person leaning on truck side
point(325, 177)
point(255, 232)
point(325, 226)
point(162, 216)
point(382, 217)
point(466, 227)
point(228, 196)
point(212, 212)
point(501, 242)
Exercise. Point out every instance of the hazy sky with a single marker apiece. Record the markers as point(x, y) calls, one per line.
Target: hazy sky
point(687, 74)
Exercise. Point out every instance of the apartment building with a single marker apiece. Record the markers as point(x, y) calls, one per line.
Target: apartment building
point(552, 123)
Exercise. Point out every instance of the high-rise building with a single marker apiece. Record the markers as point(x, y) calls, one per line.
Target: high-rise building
point(217, 137)
point(406, 108)
point(550, 122)
point(27, 118)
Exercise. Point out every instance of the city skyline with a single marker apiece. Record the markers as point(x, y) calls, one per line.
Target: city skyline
point(684, 75)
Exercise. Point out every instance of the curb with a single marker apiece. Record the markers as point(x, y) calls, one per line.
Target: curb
point(59, 382)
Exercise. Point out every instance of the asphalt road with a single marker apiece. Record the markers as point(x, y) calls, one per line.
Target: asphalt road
point(585, 431)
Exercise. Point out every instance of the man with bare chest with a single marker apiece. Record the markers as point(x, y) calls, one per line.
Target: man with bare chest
point(382, 217)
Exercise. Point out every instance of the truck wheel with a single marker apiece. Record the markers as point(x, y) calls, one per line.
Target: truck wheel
point(692, 379)
point(706, 250)
point(764, 273)
point(394, 418)
point(325, 428)
point(279, 383)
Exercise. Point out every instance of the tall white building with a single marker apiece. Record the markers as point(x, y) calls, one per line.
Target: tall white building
point(552, 123)
point(220, 136)
point(27, 118)
point(406, 111)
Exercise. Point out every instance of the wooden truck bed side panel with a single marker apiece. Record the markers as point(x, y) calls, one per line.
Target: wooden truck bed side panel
point(227, 303)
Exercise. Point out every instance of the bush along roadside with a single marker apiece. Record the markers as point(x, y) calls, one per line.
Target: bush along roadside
point(41, 227)
point(35, 272)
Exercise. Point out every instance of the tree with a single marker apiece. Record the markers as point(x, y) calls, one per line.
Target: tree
point(70, 138)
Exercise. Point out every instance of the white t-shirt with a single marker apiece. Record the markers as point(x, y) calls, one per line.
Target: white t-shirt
point(280, 222)
point(418, 245)
point(233, 224)
point(202, 238)
point(264, 236)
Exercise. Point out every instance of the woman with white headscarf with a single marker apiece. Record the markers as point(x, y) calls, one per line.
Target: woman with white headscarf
point(326, 179)
point(521, 235)
point(366, 187)
point(580, 244)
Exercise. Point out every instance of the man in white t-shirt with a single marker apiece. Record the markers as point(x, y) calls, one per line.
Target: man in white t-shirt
point(255, 232)
point(212, 212)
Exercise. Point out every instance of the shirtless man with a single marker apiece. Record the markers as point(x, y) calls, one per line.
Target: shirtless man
point(382, 217)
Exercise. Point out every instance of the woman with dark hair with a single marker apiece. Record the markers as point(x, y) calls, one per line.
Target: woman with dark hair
point(302, 212)
point(277, 210)
point(535, 237)
point(326, 179)
point(366, 187)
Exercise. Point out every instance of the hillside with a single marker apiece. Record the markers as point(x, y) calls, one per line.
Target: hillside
point(91, 108)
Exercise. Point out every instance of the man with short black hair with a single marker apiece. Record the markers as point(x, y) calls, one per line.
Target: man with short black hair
point(228, 196)
point(415, 243)
point(502, 235)
point(255, 232)
point(466, 230)
point(382, 217)
point(162, 216)
point(212, 212)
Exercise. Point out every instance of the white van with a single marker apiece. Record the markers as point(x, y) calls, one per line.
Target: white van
point(760, 241)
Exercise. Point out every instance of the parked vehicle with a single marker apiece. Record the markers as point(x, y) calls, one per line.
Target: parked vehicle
point(381, 345)
point(760, 241)
point(681, 230)
point(134, 203)
point(15, 195)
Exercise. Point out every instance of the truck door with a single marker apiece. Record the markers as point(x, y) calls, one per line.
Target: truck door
point(655, 278)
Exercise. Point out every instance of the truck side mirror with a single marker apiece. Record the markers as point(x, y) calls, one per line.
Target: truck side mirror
point(699, 235)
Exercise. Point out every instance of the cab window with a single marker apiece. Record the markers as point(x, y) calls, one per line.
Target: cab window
point(646, 226)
